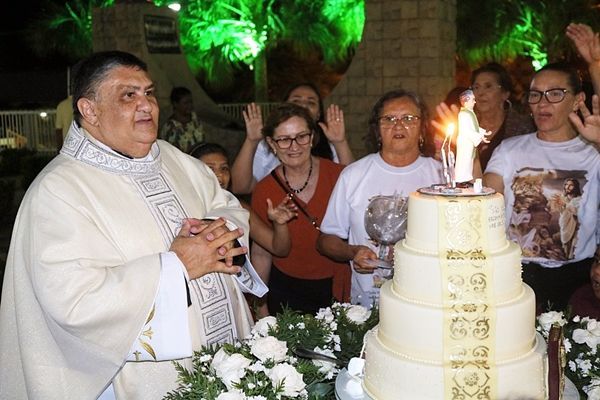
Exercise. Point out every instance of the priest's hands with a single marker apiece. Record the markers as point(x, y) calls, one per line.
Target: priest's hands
point(207, 246)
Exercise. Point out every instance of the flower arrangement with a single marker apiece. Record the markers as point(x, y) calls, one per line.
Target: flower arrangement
point(582, 345)
point(264, 367)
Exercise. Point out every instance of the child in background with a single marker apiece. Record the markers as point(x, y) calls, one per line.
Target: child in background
point(276, 239)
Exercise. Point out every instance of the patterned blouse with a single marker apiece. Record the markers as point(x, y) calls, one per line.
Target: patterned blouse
point(184, 138)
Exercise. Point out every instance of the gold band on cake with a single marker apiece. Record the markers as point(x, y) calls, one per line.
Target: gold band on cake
point(467, 291)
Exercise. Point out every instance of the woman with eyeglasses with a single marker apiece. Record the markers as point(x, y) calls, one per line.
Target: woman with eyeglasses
point(550, 183)
point(399, 123)
point(255, 160)
point(304, 280)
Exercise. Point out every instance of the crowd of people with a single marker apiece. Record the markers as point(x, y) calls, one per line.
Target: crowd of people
point(129, 252)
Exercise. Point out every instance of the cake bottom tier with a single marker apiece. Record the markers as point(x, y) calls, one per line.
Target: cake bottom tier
point(393, 376)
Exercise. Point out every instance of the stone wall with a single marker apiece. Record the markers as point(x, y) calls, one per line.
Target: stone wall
point(407, 44)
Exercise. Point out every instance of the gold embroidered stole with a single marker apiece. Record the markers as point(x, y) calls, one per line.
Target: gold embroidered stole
point(469, 312)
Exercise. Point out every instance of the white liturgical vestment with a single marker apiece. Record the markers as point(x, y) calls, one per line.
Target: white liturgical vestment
point(89, 269)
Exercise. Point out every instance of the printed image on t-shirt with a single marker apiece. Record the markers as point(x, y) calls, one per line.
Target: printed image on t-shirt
point(544, 218)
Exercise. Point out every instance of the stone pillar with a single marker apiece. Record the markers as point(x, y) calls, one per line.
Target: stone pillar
point(408, 44)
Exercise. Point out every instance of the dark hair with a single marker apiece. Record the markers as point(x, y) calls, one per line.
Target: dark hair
point(178, 93)
point(427, 148)
point(203, 149)
point(321, 147)
point(573, 78)
point(282, 113)
point(577, 190)
point(93, 70)
point(501, 73)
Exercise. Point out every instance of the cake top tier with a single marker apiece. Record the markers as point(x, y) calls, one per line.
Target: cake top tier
point(425, 212)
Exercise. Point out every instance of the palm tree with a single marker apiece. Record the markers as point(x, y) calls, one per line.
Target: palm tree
point(65, 29)
point(220, 35)
point(505, 29)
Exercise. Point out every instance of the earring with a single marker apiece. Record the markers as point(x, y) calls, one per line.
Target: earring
point(508, 104)
point(421, 141)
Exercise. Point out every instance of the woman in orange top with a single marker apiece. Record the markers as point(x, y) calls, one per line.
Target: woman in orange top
point(304, 280)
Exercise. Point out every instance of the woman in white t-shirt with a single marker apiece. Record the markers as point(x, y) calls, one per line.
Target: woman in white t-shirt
point(255, 159)
point(549, 179)
point(399, 123)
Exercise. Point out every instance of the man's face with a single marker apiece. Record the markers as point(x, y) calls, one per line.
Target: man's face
point(125, 112)
point(569, 187)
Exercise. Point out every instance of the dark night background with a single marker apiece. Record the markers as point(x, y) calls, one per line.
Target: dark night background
point(25, 80)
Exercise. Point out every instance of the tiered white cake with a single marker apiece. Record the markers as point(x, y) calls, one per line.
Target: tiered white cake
point(456, 321)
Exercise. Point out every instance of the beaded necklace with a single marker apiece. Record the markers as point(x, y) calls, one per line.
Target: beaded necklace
point(296, 191)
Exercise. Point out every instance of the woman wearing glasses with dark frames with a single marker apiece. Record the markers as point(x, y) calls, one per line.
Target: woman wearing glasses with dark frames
point(537, 173)
point(399, 123)
point(304, 280)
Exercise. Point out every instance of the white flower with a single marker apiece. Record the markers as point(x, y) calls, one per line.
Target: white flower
point(585, 366)
point(205, 358)
point(325, 367)
point(547, 319)
point(262, 325)
point(251, 385)
point(593, 389)
point(300, 325)
point(325, 314)
point(357, 313)
point(576, 318)
point(257, 367)
point(286, 375)
point(269, 347)
point(572, 365)
point(230, 368)
point(256, 398)
point(567, 344)
point(232, 395)
point(589, 336)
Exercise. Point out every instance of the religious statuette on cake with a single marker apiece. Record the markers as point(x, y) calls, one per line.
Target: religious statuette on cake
point(385, 222)
point(469, 137)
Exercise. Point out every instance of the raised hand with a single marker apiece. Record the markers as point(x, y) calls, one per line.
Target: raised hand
point(334, 128)
point(590, 127)
point(285, 211)
point(254, 122)
point(208, 250)
point(586, 41)
point(445, 116)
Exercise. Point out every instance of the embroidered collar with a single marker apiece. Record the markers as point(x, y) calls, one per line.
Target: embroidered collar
point(80, 145)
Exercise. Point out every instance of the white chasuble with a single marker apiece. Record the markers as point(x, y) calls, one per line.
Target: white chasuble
point(84, 269)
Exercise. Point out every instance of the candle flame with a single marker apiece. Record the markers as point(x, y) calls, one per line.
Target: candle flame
point(449, 130)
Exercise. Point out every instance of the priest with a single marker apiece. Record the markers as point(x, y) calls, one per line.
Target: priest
point(124, 256)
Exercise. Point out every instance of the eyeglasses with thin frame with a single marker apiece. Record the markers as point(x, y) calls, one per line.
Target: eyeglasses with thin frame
point(407, 121)
point(554, 95)
point(302, 139)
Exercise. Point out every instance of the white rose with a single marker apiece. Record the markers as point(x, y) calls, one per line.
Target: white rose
point(357, 313)
point(232, 395)
point(262, 325)
point(230, 368)
point(591, 338)
point(286, 375)
point(547, 319)
point(269, 347)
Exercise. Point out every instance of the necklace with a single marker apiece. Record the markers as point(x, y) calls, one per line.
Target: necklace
point(296, 191)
